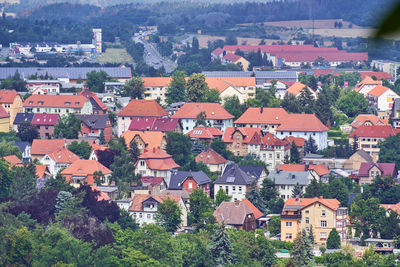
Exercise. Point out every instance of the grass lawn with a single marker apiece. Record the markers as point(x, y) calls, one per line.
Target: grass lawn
point(115, 55)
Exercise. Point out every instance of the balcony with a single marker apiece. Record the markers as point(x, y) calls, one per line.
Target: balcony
point(290, 216)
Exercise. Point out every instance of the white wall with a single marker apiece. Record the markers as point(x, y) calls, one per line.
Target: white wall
point(321, 138)
point(236, 192)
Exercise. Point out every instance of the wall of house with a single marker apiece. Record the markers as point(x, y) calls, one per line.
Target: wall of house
point(230, 91)
point(45, 132)
point(369, 144)
point(123, 124)
point(289, 227)
point(152, 93)
point(321, 138)
point(5, 125)
point(385, 101)
point(274, 158)
point(216, 167)
point(314, 213)
point(189, 124)
point(236, 192)
point(285, 191)
point(366, 88)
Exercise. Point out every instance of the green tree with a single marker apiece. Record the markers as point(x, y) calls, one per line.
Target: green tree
point(196, 88)
point(310, 146)
point(102, 138)
point(311, 235)
point(297, 191)
point(95, 81)
point(352, 103)
point(233, 106)
point(268, 190)
point(134, 88)
point(313, 189)
point(23, 185)
point(212, 96)
point(168, 215)
point(294, 153)
point(306, 100)
point(333, 241)
point(8, 149)
point(389, 150)
point(20, 248)
point(179, 146)
point(27, 131)
point(221, 248)
point(220, 197)
point(176, 91)
point(301, 254)
point(338, 190)
point(81, 149)
point(68, 127)
point(291, 104)
point(200, 209)
point(274, 225)
point(195, 45)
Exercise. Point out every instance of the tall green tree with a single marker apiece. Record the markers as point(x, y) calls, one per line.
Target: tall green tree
point(200, 209)
point(23, 185)
point(8, 149)
point(168, 215)
point(81, 149)
point(176, 91)
point(134, 88)
point(96, 79)
point(68, 127)
point(6, 178)
point(220, 197)
point(294, 153)
point(297, 191)
point(179, 147)
point(352, 103)
point(291, 104)
point(306, 100)
point(195, 45)
point(389, 150)
point(233, 106)
point(221, 248)
point(333, 241)
point(196, 88)
point(27, 131)
point(301, 254)
point(310, 146)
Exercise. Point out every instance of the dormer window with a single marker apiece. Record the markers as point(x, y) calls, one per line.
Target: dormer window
point(76, 103)
point(40, 103)
point(67, 103)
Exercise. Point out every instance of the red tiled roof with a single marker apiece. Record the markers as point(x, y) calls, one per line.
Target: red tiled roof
point(214, 111)
point(367, 80)
point(296, 88)
point(7, 96)
point(232, 213)
point(262, 115)
point(45, 119)
point(102, 195)
point(152, 139)
point(271, 140)
point(250, 135)
point(157, 159)
point(13, 160)
point(257, 213)
point(46, 146)
point(299, 141)
point(138, 199)
point(374, 131)
point(143, 108)
point(40, 170)
point(218, 51)
point(292, 167)
point(151, 180)
point(205, 133)
point(63, 101)
point(320, 169)
point(85, 167)
point(153, 124)
point(387, 169)
point(231, 57)
point(302, 123)
point(378, 90)
point(92, 95)
point(378, 74)
point(333, 204)
point(209, 156)
point(63, 155)
point(3, 113)
point(393, 207)
point(156, 81)
point(363, 118)
point(222, 83)
point(318, 73)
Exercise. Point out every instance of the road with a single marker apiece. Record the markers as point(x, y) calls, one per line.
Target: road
point(153, 58)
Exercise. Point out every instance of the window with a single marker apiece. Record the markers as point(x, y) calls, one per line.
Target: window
point(140, 215)
point(142, 163)
point(323, 234)
point(283, 187)
point(227, 189)
point(288, 224)
point(270, 155)
point(283, 196)
point(307, 220)
point(278, 156)
point(323, 213)
point(190, 185)
point(288, 236)
point(240, 188)
point(148, 216)
point(323, 224)
point(233, 188)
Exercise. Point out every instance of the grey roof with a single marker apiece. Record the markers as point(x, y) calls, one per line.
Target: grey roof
point(94, 121)
point(179, 177)
point(396, 104)
point(365, 155)
point(290, 178)
point(252, 170)
point(71, 73)
point(276, 74)
point(235, 176)
point(228, 73)
point(21, 117)
point(21, 145)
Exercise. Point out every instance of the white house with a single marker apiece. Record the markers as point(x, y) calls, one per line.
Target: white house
point(382, 98)
point(59, 159)
point(285, 182)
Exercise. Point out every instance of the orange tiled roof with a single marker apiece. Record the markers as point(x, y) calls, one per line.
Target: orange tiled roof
point(205, 132)
point(156, 81)
point(40, 170)
point(333, 204)
point(157, 159)
point(250, 135)
point(378, 90)
point(271, 140)
point(214, 111)
point(102, 195)
point(263, 115)
point(85, 167)
point(367, 80)
point(320, 169)
point(363, 118)
point(299, 141)
point(13, 160)
point(63, 155)
point(257, 213)
point(143, 108)
point(152, 139)
point(62, 101)
point(46, 146)
point(302, 123)
point(209, 156)
point(393, 207)
point(296, 88)
point(138, 199)
point(222, 83)
point(7, 96)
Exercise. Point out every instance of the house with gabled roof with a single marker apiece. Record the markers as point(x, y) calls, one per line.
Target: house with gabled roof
point(58, 104)
point(296, 89)
point(214, 161)
point(242, 140)
point(4, 121)
point(42, 147)
point(20, 118)
point(257, 172)
point(318, 171)
point(285, 181)
point(237, 60)
point(12, 102)
point(242, 87)
point(83, 171)
point(273, 151)
point(13, 161)
point(366, 85)
point(45, 124)
point(265, 118)
point(203, 133)
point(355, 160)
point(392, 207)
point(156, 87)
point(298, 141)
point(368, 171)
point(367, 119)
point(235, 182)
point(217, 54)
point(382, 98)
point(319, 213)
point(144, 206)
point(25, 149)
point(156, 162)
point(164, 124)
point(138, 108)
point(58, 159)
point(216, 116)
point(93, 125)
point(145, 140)
point(98, 107)
point(189, 181)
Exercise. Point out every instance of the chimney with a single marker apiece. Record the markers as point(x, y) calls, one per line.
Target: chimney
point(321, 197)
point(261, 109)
point(149, 192)
point(307, 165)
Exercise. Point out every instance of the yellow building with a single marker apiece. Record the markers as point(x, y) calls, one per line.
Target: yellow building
point(4, 121)
point(12, 102)
point(230, 58)
point(321, 214)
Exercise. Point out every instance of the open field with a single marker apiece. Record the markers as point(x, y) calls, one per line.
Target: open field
point(115, 55)
point(305, 24)
point(203, 39)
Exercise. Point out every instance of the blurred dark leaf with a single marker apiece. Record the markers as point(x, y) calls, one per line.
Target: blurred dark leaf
point(391, 23)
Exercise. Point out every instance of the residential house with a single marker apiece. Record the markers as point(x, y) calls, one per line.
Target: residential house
point(242, 87)
point(95, 149)
point(392, 207)
point(242, 140)
point(42, 172)
point(207, 134)
point(368, 137)
point(285, 181)
point(58, 159)
point(395, 115)
point(93, 125)
point(164, 124)
point(144, 207)
point(239, 214)
point(382, 97)
point(13, 161)
point(42, 147)
point(98, 107)
point(12, 102)
point(237, 60)
point(25, 149)
point(296, 89)
point(273, 151)
point(319, 172)
point(58, 104)
point(367, 119)
point(257, 172)
point(49, 86)
point(157, 163)
point(138, 108)
point(298, 141)
point(155, 184)
point(145, 140)
point(214, 161)
point(45, 124)
point(355, 160)
point(189, 181)
point(235, 182)
point(83, 171)
point(279, 86)
point(217, 54)
point(156, 88)
point(20, 118)
point(267, 119)
point(366, 85)
point(4, 121)
point(215, 116)
point(368, 171)
point(319, 213)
